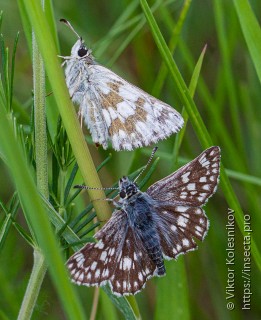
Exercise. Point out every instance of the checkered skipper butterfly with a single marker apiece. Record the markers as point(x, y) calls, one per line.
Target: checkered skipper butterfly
point(148, 227)
point(113, 109)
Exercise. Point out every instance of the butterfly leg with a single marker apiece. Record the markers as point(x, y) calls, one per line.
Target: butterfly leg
point(103, 199)
point(80, 116)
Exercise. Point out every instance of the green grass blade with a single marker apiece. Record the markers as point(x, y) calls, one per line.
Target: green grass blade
point(251, 31)
point(175, 31)
point(192, 89)
point(229, 78)
point(173, 288)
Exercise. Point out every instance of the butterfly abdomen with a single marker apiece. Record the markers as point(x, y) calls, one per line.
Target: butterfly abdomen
point(154, 250)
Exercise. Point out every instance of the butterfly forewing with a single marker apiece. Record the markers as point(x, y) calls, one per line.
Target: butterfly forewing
point(192, 184)
point(118, 258)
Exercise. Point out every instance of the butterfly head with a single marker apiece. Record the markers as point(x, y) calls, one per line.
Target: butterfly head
point(127, 188)
point(79, 50)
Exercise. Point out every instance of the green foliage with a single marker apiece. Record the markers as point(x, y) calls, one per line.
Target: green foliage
point(43, 216)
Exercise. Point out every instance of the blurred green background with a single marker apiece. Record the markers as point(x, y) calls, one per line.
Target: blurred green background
point(228, 99)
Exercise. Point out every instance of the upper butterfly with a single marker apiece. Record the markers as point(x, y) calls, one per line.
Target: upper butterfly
point(148, 227)
point(112, 108)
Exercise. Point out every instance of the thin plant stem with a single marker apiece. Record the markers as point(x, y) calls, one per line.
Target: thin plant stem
point(40, 122)
point(33, 287)
point(95, 303)
point(39, 265)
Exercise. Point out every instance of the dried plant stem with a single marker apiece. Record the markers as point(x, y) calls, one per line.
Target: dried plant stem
point(95, 303)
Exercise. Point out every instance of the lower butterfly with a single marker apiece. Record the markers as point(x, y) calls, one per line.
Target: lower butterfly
point(149, 227)
point(112, 108)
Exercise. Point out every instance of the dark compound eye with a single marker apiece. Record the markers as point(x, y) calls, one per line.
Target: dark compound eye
point(122, 194)
point(82, 52)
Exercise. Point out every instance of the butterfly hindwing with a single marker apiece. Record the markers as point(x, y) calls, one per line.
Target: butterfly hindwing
point(89, 266)
point(133, 266)
point(177, 228)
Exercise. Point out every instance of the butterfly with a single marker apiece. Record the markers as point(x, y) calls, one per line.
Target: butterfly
point(149, 227)
point(114, 109)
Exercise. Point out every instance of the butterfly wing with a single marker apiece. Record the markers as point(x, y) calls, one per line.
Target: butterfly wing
point(177, 226)
point(192, 184)
point(117, 110)
point(178, 200)
point(118, 258)
point(79, 81)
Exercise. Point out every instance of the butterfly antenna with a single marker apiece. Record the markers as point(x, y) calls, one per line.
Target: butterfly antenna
point(78, 186)
point(149, 161)
point(70, 26)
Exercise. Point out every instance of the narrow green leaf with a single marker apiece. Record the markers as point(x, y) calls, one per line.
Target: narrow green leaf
point(10, 211)
point(70, 183)
point(251, 31)
point(24, 234)
point(5, 226)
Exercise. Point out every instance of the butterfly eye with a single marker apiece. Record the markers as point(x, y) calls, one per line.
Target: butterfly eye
point(82, 52)
point(122, 194)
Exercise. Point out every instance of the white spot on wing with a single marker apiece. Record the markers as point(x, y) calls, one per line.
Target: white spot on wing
point(127, 263)
point(185, 242)
point(181, 209)
point(173, 228)
point(94, 265)
point(178, 247)
point(191, 186)
point(185, 178)
point(124, 109)
point(182, 222)
point(103, 256)
point(140, 276)
point(97, 273)
point(99, 245)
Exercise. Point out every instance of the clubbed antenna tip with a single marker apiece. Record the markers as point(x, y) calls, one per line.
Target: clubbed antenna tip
point(67, 23)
